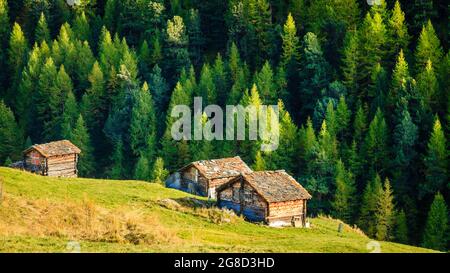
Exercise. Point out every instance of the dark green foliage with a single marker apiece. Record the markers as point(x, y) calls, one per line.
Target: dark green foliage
point(343, 203)
point(435, 234)
point(385, 213)
point(401, 228)
point(80, 137)
point(10, 137)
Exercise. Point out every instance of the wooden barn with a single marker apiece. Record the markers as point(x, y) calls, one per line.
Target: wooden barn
point(273, 197)
point(203, 177)
point(58, 158)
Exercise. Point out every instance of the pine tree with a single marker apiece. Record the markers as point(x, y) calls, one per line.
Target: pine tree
point(94, 103)
point(350, 62)
point(343, 115)
point(17, 52)
point(359, 124)
point(42, 32)
point(143, 124)
point(291, 42)
point(398, 31)
point(405, 139)
point(376, 148)
point(367, 216)
point(196, 40)
point(372, 39)
point(4, 35)
point(314, 75)
point(142, 169)
point(427, 86)
point(435, 234)
point(176, 50)
point(379, 88)
point(428, 48)
point(69, 116)
point(401, 228)
point(220, 80)
point(81, 28)
point(10, 137)
point(400, 77)
point(264, 80)
point(159, 173)
point(260, 164)
point(436, 164)
point(116, 170)
point(385, 213)
point(80, 137)
point(343, 201)
point(206, 87)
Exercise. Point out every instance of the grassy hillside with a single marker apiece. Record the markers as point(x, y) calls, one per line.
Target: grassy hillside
point(41, 214)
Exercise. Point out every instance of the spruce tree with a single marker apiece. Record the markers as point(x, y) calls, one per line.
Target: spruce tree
point(435, 233)
point(116, 170)
point(343, 201)
point(401, 228)
point(143, 124)
point(400, 77)
point(142, 169)
point(436, 173)
point(265, 82)
point(398, 31)
point(206, 87)
point(69, 116)
point(159, 172)
point(427, 86)
point(367, 216)
point(17, 56)
point(10, 137)
point(350, 63)
point(80, 137)
point(42, 32)
point(428, 48)
point(4, 35)
point(385, 213)
point(259, 162)
point(376, 144)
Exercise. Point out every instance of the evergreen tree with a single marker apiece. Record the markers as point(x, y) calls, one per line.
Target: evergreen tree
point(372, 39)
point(359, 124)
point(80, 137)
point(398, 31)
point(400, 77)
point(176, 51)
point(385, 213)
point(142, 169)
point(159, 173)
point(343, 115)
point(265, 82)
point(10, 137)
point(17, 52)
point(42, 32)
point(314, 75)
point(423, 11)
point(427, 86)
point(81, 28)
point(436, 164)
point(220, 80)
point(376, 148)
point(143, 125)
point(367, 216)
point(291, 42)
point(196, 40)
point(260, 164)
point(350, 62)
point(116, 170)
point(206, 87)
point(69, 116)
point(343, 201)
point(401, 228)
point(4, 35)
point(428, 48)
point(435, 234)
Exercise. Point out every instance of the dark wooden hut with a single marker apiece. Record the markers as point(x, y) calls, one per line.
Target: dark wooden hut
point(273, 197)
point(58, 158)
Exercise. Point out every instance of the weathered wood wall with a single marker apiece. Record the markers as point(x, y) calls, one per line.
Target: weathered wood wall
point(193, 181)
point(242, 198)
point(34, 162)
point(284, 213)
point(62, 166)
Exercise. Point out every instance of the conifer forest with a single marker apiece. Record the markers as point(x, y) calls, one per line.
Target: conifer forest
point(362, 87)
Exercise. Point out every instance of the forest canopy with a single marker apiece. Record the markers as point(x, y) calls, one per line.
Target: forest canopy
point(362, 87)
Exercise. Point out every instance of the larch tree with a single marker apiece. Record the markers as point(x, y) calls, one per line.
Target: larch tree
point(398, 31)
point(376, 145)
point(159, 172)
point(428, 86)
point(17, 57)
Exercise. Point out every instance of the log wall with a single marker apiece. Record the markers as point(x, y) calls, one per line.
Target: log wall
point(62, 166)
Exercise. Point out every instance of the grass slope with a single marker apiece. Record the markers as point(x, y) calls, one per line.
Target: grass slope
point(41, 214)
